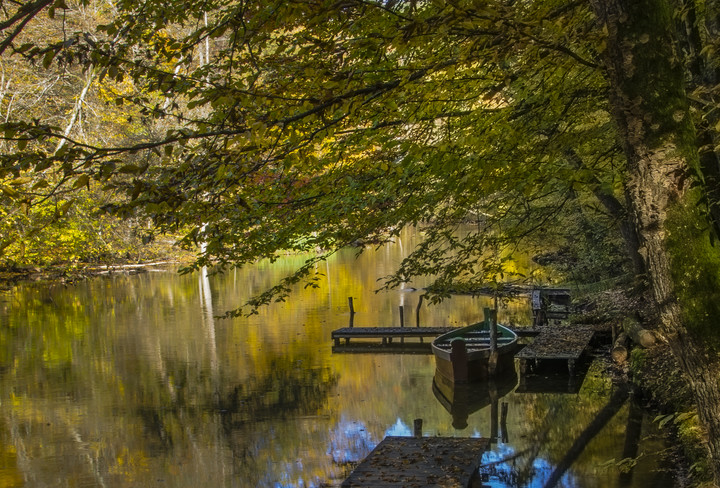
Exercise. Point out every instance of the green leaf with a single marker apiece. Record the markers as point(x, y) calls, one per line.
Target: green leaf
point(48, 58)
point(129, 169)
point(64, 207)
point(82, 180)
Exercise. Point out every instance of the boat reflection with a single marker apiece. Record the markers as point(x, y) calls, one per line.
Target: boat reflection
point(463, 399)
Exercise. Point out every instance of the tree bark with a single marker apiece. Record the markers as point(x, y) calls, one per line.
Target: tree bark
point(639, 335)
point(650, 106)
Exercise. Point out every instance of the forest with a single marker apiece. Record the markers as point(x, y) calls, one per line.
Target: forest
point(584, 132)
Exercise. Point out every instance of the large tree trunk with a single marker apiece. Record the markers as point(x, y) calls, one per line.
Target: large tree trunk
point(651, 110)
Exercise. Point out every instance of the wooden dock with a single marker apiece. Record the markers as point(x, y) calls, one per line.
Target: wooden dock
point(556, 343)
point(396, 347)
point(419, 461)
point(387, 334)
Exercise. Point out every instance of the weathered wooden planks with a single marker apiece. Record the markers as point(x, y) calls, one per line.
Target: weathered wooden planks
point(387, 334)
point(419, 462)
point(565, 343)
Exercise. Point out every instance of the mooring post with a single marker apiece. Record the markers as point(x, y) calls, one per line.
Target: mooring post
point(417, 314)
point(491, 320)
point(417, 311)
point(417, 427)
point(352, 310)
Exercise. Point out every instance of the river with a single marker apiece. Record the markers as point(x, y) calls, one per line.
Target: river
point(132, 381)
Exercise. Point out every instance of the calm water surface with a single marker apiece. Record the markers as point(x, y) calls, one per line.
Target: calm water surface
point(131, 381)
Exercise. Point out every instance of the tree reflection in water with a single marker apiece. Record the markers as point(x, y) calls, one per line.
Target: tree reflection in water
point(131, 381)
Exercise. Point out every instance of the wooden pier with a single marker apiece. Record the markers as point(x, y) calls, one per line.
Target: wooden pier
point(556, 343)
point(419, 461)
point(387, 334)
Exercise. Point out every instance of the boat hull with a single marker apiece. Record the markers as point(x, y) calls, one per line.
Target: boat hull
point(463, 356)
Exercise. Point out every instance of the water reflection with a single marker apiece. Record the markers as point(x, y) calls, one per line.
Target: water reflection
point(462, 399)
point(131, 381)
point(590, 438)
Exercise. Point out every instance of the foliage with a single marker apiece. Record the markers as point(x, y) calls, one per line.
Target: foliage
point(686, 426)
point(302, 127)
point(67, 231)
point(48, 213)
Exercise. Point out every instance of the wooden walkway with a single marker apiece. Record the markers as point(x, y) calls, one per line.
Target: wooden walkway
point(419, 461)
point(387, 334)
point(564, 343)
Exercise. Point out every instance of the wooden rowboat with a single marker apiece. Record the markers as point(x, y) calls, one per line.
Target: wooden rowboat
point(466, 355)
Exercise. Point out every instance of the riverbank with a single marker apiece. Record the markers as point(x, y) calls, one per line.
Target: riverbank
point(70, 273)
point(658, 383)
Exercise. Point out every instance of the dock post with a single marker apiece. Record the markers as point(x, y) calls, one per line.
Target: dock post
point(402, 321)
point(352, 310)
point(491, 316)
point(524, 366)
point(417, 427)
point(417, 311)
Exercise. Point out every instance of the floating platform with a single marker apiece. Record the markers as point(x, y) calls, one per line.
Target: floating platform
point(566, 343)
point(419, 461)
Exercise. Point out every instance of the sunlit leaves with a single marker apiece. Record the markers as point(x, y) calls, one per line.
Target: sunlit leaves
point(283, 126)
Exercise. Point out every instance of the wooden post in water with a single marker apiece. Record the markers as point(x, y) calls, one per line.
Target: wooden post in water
point(417, 314)
point(352, 310)
point(417, 311)
point(417, 427)
point(402, 321)
point(491, 320)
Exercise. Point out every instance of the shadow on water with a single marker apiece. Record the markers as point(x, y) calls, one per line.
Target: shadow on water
point(551, 376)
point(578, 419)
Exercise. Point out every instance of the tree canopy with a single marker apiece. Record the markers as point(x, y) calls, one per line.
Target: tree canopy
point(267, 127)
